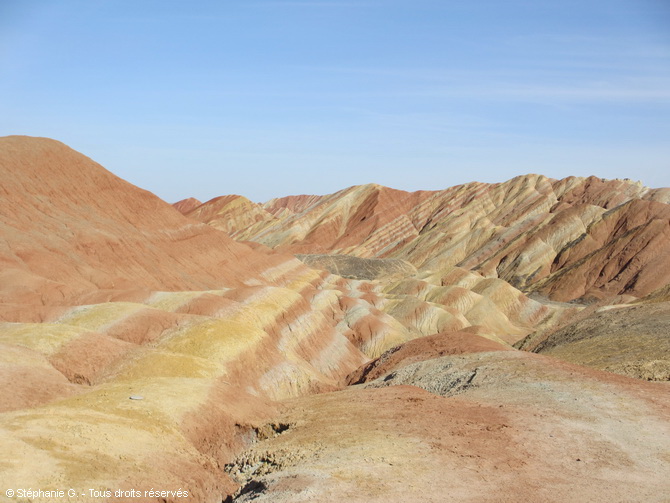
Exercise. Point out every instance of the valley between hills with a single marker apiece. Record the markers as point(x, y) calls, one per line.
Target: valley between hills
point(483, 343)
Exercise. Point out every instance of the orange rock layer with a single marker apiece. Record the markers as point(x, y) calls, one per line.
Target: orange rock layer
point(576, 238)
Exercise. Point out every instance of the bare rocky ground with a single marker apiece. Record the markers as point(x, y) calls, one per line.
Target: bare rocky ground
point(352, 267)
point(628, 339)
point(493, 426)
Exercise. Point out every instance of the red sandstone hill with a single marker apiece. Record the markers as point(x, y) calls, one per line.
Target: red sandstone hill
point(577, 238)
point(186, 205)
point(69, 227)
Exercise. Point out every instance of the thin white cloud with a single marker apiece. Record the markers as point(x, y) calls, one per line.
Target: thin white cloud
point(594, 84)
point(656, 93)
point(314, 4)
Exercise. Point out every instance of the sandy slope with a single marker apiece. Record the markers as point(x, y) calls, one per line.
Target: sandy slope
point(488, 426)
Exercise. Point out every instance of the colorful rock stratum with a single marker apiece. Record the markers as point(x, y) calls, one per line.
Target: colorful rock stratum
point(483, 343)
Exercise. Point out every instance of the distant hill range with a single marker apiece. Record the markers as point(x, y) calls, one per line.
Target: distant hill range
point(573, 239)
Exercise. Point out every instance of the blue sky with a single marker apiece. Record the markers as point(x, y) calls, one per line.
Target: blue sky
point(266, 98)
